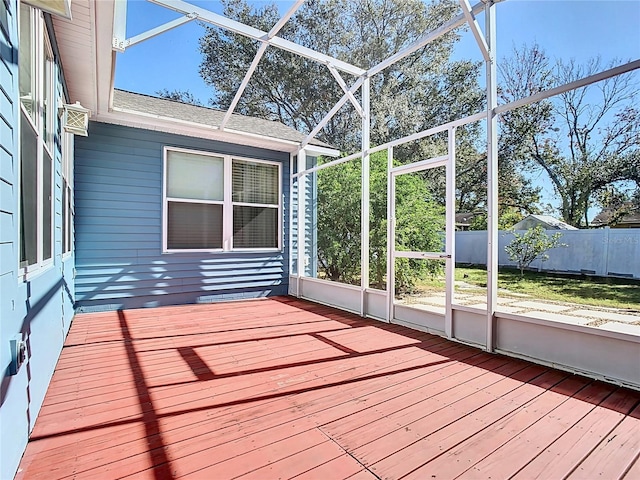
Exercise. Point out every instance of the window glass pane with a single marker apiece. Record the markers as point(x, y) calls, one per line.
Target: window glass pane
point(194, 226)
point(25, 60)
point(28, 194)
point(47, 203)
point(4, 18)
point(65, 217)
point(197, 177)
point(69, 220)
point(255, 227)
point(255, 182)
point(47, 100)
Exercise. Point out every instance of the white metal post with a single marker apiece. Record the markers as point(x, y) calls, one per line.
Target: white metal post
point(492, 175)
point(364, 219)
point(391, 235)
point(450, 248)
point(119, 25)
point(302, 207)
point(291, 203)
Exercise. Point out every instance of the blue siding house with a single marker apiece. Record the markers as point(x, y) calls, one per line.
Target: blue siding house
point(120, 260)
point(160, 204)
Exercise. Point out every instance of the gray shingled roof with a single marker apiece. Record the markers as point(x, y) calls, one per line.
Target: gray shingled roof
point(547, 221)
point(206, 116)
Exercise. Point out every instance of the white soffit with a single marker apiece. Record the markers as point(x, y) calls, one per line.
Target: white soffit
point(87, 65)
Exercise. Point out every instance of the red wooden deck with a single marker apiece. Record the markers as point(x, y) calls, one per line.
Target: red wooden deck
point(282, 388)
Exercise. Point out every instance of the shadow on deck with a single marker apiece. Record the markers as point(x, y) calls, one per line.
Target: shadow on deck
point(282, 388)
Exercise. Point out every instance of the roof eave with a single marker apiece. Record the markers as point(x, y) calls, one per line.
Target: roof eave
point(131, 118)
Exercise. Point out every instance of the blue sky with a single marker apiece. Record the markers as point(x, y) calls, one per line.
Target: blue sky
point(577, 29)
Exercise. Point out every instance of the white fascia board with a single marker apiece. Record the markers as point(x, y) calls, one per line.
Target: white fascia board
point(130, 118)
point(104, 55)
point(318, 151)
point(251, 32)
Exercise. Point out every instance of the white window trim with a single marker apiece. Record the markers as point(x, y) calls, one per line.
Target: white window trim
point(41, 48)
point(227, 203)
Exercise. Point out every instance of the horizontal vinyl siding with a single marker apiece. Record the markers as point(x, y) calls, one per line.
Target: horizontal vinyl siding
point(118, 194)
point(40, 310)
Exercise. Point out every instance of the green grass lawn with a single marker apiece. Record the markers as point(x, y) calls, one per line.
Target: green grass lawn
point(604, 292)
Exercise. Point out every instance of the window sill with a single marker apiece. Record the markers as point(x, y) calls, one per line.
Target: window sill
point(225, 252)
point(35, 272)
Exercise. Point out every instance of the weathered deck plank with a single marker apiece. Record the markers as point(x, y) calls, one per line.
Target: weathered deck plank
point(281, 388)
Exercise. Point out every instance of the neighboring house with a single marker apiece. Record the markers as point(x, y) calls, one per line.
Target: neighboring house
point(464, 221)
point(547, 222)
point(629, 220)
point(151, 228)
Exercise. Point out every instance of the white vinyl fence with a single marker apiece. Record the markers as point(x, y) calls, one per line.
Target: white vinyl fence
point(602, 252)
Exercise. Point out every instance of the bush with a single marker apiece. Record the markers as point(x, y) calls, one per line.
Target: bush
point(530, 245)
point(419, 221)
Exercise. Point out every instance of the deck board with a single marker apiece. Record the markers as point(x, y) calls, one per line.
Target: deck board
point(282, 388)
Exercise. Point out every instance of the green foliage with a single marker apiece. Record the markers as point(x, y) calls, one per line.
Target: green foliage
point(507, 218)
point(419, 221)
point(530, 245)
point(339, 240)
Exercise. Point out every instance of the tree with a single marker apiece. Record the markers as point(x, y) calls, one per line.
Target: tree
point(530, 245)
point(507, 218)
point(419, 221)
point(421, 91)
point(585, 141)
point(183, 96)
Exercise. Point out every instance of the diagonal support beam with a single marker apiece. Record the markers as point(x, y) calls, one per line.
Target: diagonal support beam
point(254, 64)
point(332, 112)
point(475, 29)
point(160, 29)
point(405, 52)
point(207, 16)
point(429, 37)
point(345, 89)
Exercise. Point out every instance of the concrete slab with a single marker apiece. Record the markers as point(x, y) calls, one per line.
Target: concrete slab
point(440, 301)
point(621, 327)
point(427, 308)
point(477, 298)
point(612, 316)
point(506, 300)
point(556, 317)
point(509, 309)
point(547, 307)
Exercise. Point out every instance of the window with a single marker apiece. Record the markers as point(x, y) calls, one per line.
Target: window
point(218, 202)
point(36, 80)
point(67, 193)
